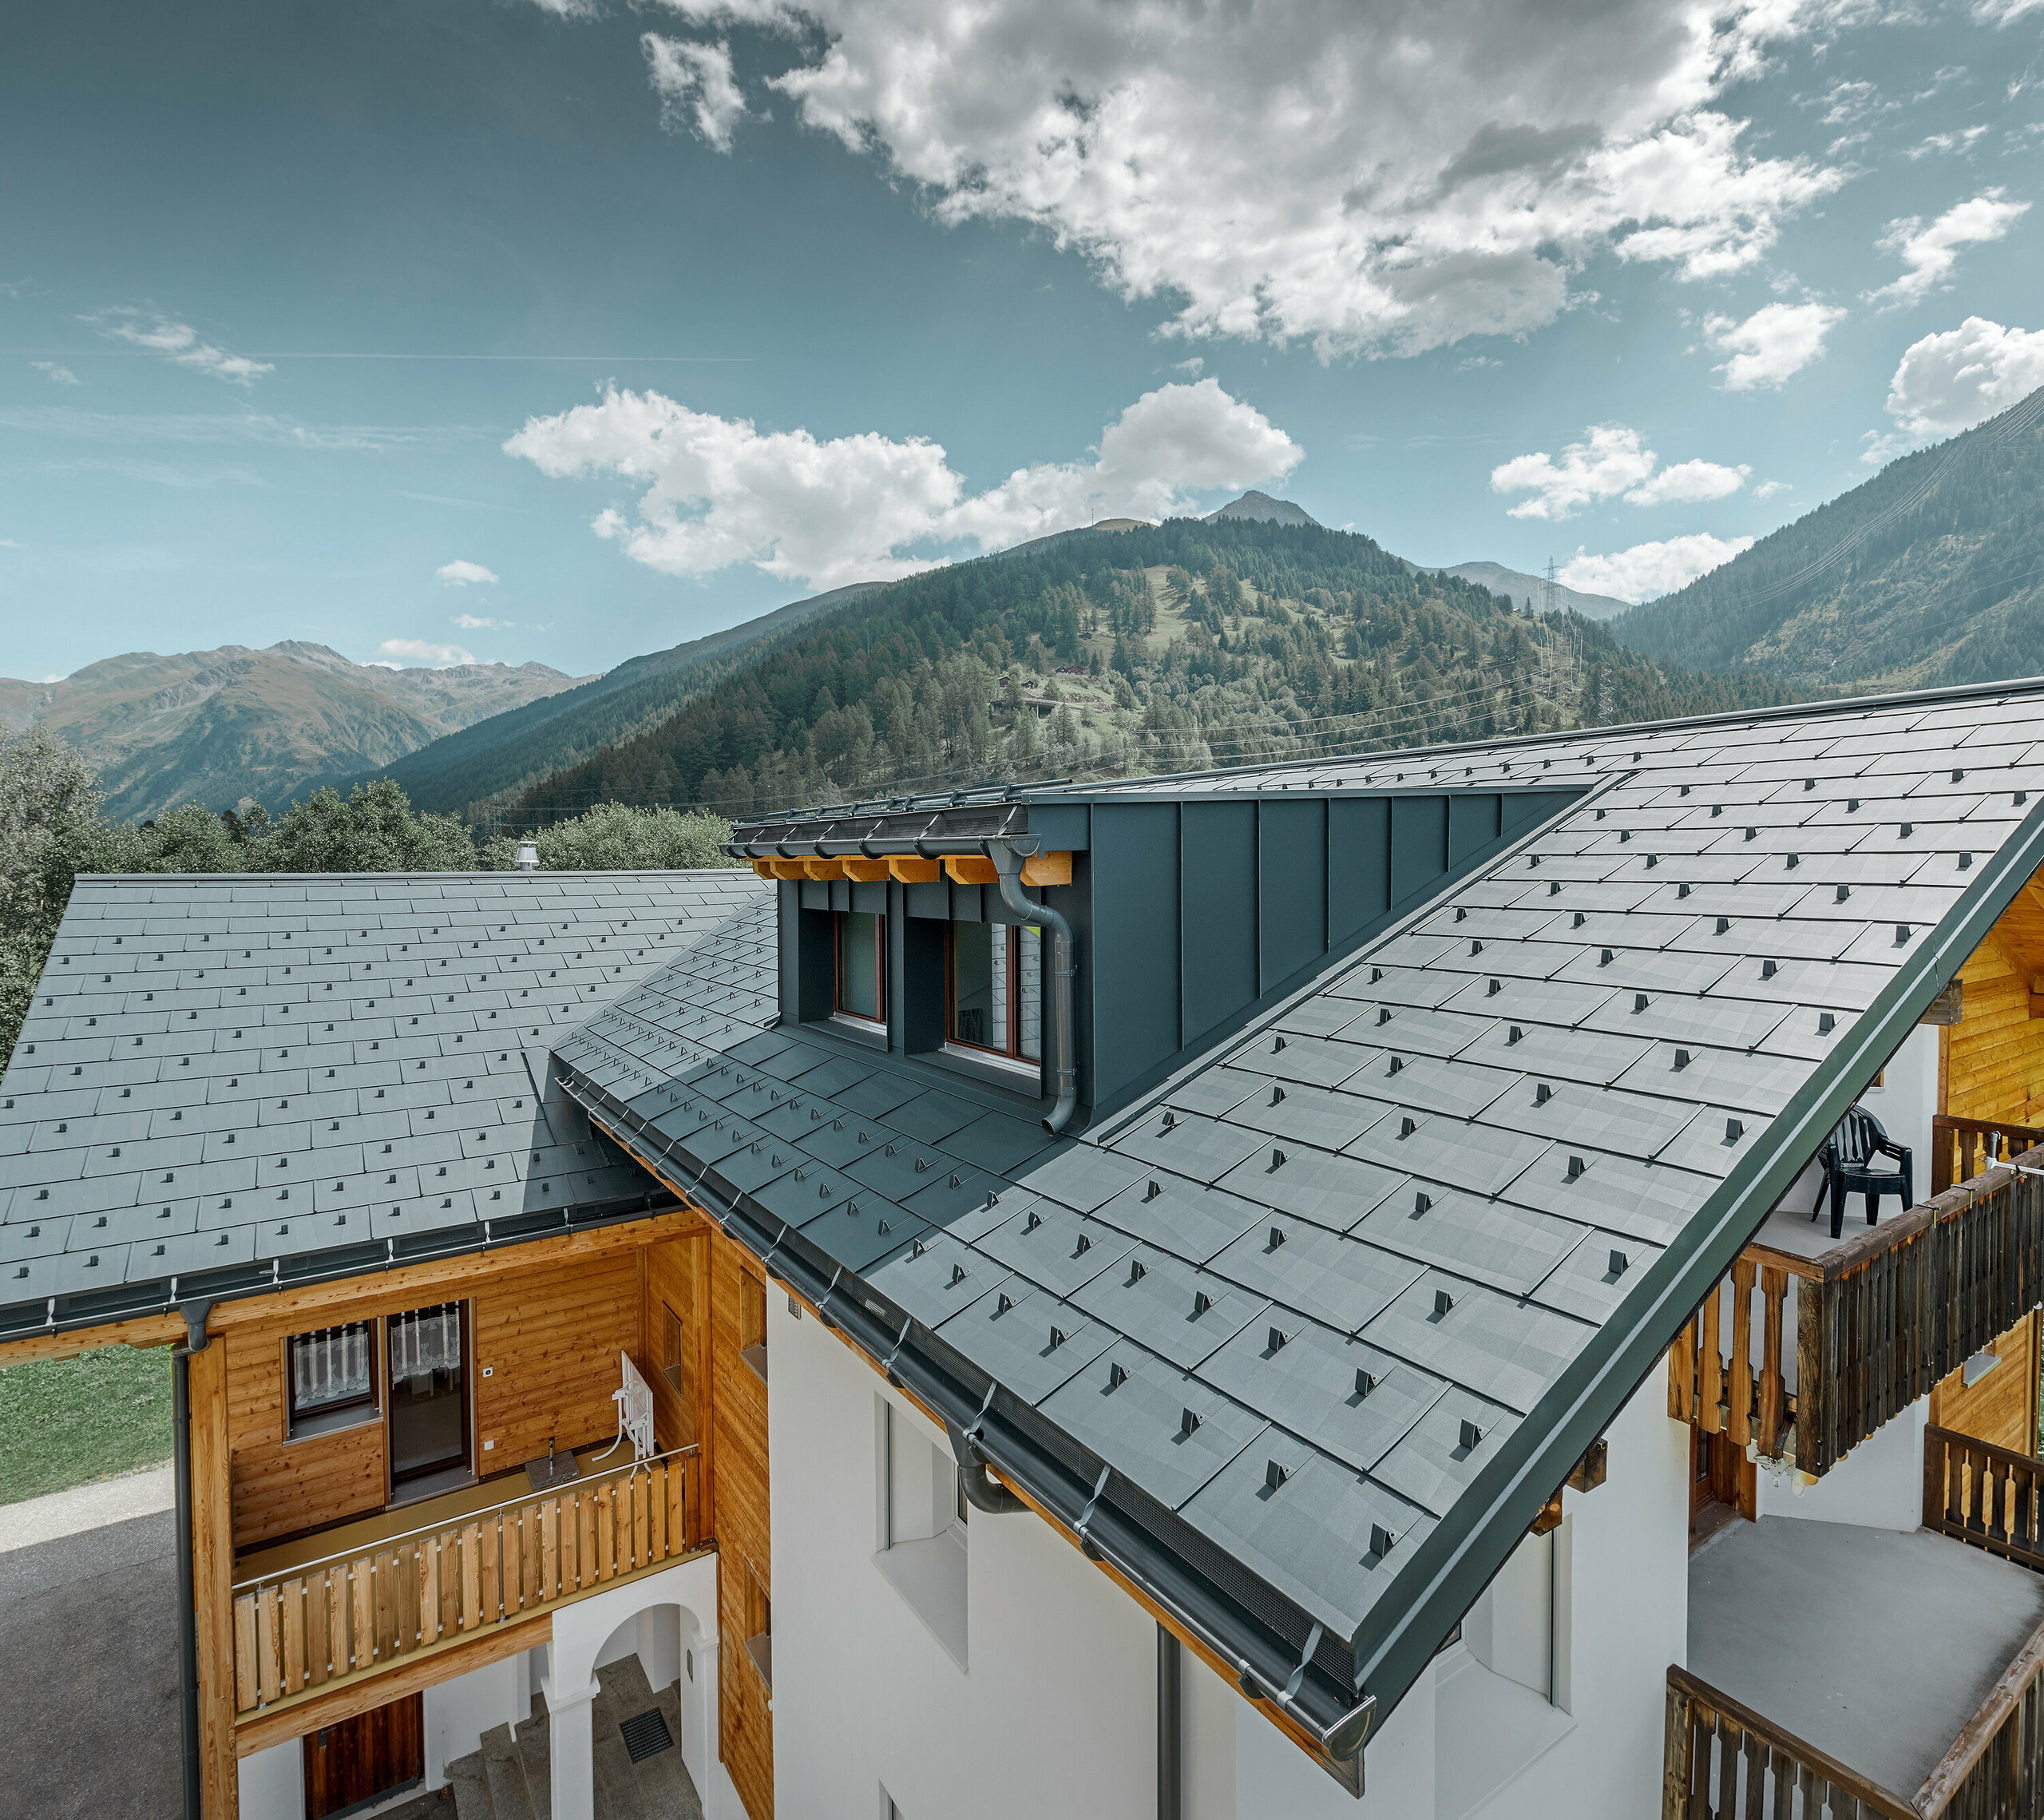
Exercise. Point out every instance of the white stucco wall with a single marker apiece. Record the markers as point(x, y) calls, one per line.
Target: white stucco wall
point(272, 1782)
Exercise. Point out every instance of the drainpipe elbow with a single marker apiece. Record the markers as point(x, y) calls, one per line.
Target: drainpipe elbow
point(1008, 856)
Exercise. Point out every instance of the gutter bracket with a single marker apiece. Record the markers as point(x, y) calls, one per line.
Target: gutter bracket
point(1080, 1529)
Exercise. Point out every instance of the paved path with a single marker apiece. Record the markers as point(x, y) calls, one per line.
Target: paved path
point(88, 1634)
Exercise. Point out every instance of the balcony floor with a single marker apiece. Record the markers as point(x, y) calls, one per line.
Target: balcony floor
point(1791, 1229)
point(1873, 1646)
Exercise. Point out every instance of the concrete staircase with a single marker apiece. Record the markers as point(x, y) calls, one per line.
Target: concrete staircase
point(511, 1777)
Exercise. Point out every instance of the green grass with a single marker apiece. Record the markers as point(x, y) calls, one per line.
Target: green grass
point(68, 1422)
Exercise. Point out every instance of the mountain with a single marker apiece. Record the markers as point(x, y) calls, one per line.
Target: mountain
point(469, 772)
point(212, 727)
point(1182, 645)
point(1259, 508)
point(1530, 591)
point(1931, 573)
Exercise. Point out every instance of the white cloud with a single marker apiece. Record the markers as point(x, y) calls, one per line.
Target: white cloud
point(462, 574)
point(1945, 383)
point(1775, 343)
point(57, 375)
point(1191, 368)
point(2003, 12)
point(698, 91)
point(1647, 570)
point(398, 653)
point(1940, 142)
point(12, 543)
point(1381, 179)
point(1930, 253)
point(719, 491)
point(474, 622)
point(1688, 483)
point(178, 342)
point(1768, 489)
point(1611, 461)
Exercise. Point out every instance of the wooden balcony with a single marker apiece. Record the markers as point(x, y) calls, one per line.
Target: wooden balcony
point(373, 1601)
point(1940, 1646)
point(1808, 1346)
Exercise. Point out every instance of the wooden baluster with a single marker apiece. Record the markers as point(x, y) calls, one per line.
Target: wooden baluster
point(1710, 1374)
point(642, 1526)
point(585, 1539)
point(1702, 1729)
point(1774, 1293)
point(318, 1643)
point(656, 1511)
point(247, 1691)
point(337, 1644)
point(429, 1590)
point(1781, 1767)
point(1675, 1754)
point(409, 1626)
point(472, 1588)
point(269, 1645)
point(292, 1594)
point(1681, 1374)
point(1743, 1272)
point(362, 1616)
point(550, 1549)
point(606, 1502)
point(677, 1542)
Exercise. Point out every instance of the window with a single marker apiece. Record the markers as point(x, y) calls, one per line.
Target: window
point(921, 1525)
point(759, 1626)
point(331, 1380)
point(995, 989)
point(861, 966)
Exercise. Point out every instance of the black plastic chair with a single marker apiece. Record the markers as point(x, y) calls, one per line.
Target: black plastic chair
point(1849, 1154)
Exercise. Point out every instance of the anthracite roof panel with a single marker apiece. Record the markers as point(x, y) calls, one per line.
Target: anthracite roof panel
point(263, 1069)
point(1168, 1431)
point(1544, 1210)
point(1179, 1312)
point(1039, 1340)
point(1348, 1398)
point(1054, 1247)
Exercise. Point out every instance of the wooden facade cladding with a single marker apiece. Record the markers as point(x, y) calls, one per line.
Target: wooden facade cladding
point(1991, 1062)
point(745, 1568)
point(548, 1337)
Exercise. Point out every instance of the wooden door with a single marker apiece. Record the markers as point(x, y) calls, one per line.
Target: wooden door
point(363, 1760)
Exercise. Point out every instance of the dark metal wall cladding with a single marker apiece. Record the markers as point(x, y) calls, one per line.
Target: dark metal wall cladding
point(1201, 908)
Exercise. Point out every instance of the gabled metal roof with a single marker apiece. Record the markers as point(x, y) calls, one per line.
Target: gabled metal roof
point(224, 1079)
point(1468, 1172)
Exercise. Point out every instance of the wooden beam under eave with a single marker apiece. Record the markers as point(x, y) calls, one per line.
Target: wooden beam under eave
point(867, 871)
point(1047, 869)
point(144, 1330)
point(765, 868)
point(970, 869)
point(907, 869)
point(823, 870)
point(786, 869)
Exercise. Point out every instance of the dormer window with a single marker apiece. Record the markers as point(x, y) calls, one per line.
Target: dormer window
point(995, 989)
point(862, 941)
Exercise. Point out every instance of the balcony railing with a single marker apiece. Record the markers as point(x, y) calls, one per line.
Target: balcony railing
point(1724, 1761)
point(1961, 1147)
point(361, 1610)
point(1991, 1496)
point(1876, 1320)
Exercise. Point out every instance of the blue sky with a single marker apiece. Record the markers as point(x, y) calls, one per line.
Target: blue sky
point(663, 315)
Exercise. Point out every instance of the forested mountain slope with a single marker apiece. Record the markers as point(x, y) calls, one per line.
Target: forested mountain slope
point(468, 771)
point(213, 727)
point(1169, 647)
point(1933, 572)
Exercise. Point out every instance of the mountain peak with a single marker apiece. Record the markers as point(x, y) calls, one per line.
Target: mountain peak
point(1263, 508)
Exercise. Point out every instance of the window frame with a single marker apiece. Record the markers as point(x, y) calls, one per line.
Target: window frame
point(1011, 1056)
point(838, 1007)
point(331, 1418)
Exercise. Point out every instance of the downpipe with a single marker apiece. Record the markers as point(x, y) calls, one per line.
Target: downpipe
point(1008, 856)
point(1169, 1786)
point(197, 1340)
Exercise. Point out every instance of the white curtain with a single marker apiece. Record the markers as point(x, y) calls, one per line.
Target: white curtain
point(331, 1366)
point(424, 1341)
